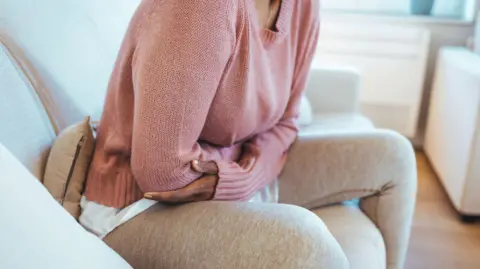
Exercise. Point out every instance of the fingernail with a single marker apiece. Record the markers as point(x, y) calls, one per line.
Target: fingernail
point(148, 195)
point(196, 166)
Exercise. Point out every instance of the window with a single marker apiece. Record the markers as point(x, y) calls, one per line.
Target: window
point(441, 8)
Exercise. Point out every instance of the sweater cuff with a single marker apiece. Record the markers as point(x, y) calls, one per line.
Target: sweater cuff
point(232, 182)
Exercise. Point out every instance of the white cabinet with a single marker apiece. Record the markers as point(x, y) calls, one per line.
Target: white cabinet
point(392, 60)
point(452, 141)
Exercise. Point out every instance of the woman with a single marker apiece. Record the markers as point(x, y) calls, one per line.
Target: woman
point(201, 105)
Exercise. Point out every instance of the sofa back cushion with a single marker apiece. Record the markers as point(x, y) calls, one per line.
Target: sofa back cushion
point(25, 128)
point(68, 49)
point(72, 45)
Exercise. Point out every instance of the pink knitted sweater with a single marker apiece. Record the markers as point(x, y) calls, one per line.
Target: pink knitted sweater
point(201, 80)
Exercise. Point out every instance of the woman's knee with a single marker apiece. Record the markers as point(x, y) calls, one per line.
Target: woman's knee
point(309, 243)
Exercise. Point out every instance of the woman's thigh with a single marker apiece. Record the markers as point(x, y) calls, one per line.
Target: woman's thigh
point(312, 192)
point(227, 235)
point(326, 169)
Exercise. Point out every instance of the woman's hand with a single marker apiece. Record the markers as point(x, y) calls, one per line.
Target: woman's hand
point(201, 189)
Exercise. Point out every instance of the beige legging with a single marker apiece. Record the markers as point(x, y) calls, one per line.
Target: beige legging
point(378, 167)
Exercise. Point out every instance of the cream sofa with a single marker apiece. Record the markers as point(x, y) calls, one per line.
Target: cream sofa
point(68, 74)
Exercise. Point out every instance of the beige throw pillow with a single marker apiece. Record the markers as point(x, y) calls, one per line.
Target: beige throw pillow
point(67, 165)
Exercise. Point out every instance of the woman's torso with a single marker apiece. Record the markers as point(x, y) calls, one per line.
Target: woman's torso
point(252, 100)
point(251, 97)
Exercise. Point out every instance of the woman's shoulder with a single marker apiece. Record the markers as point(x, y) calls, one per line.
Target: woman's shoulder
point(210, 8)
point(178, 15)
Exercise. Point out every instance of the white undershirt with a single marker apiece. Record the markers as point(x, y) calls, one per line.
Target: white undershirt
point(101, 220)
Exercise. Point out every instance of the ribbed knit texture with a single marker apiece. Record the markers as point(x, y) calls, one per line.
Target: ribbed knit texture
point(200, 80)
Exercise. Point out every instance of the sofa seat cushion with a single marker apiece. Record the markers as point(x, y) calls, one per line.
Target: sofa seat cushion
point(36, 232)
point(360, 239)
point(333, 122)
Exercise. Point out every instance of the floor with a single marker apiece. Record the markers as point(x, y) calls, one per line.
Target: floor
point(439, 239)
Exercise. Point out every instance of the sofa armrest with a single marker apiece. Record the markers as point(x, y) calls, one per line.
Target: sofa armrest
point(333, 90)
point(37, 232)
point(376, 166)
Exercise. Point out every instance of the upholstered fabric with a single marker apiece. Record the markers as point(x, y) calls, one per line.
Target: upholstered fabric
point(75, 68)
point(36, 232)
point(333, 90)
point(376, 166)
point(334, 122)
point(217, 235)
point(333, 97)
point(365, 249)
point(67, 165)
point(70, 72)
point(25, 128)
point(305, 117)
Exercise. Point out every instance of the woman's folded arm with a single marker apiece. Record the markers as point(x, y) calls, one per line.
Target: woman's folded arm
point(178, 62)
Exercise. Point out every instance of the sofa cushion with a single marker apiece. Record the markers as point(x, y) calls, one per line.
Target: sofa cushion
point(337, 122)
point(67, 165)
point(74, 67)
point(36, 232)
point(25, 126)
point(359, 238)
point(306, 113)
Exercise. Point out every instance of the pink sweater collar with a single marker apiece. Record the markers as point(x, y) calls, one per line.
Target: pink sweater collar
point(283, 23)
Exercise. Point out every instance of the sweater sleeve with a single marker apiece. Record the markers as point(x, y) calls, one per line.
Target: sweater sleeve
point(269, 148)
point(181, 52)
